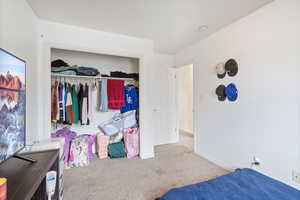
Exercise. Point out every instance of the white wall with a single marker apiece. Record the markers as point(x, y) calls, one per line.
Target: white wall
point(18, 35)
point(265, 120)
point(105, 64)
point(184, 84)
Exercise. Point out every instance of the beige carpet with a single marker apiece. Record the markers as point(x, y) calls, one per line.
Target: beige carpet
point(135, 179)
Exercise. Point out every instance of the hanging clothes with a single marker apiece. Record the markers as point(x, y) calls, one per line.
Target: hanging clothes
point(103, 95)
point(70, 105)
point(84, 113)
point(64, 104)
point(80, 100)
point(54, 102)
point(90, 104)
point(131, 100)
point(57, 102)
point(66, 97)
point(75, 104)
point(115, 93)
point(60, 103)
point(87, 93)
point(71, 116)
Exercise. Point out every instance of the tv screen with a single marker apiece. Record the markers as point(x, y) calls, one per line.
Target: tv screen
point(12, 105)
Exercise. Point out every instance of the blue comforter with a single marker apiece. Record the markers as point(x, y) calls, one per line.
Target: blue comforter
point(243, 184)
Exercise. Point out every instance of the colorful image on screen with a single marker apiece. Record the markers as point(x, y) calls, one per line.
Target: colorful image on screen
point(12, 105)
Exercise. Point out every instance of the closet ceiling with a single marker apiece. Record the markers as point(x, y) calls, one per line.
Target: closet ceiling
point(171, 24)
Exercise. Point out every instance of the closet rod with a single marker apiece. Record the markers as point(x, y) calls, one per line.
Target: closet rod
point(90, 77)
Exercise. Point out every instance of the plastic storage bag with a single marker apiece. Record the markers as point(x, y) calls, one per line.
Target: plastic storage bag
point(112, 126)
point(132, 142)
point(118, 123)
point(102, 146)
point(129, 119)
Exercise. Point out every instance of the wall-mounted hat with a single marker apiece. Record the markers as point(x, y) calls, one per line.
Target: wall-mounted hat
point(220, 91)
point(231, 67)
point(220, 69)
point(231, 92)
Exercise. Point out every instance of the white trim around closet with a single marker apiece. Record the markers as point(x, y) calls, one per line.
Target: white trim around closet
point(146, 148)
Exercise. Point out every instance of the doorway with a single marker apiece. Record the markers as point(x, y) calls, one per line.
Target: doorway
point(184, 100)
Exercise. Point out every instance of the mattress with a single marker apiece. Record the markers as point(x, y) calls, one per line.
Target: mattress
point(243, 184)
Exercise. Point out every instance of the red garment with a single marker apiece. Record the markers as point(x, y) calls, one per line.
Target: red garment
point(115, 94)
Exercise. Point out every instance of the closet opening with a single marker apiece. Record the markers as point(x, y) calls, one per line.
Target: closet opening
point(95, 105)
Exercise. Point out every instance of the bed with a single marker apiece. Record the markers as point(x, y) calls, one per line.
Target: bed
point(242, 184)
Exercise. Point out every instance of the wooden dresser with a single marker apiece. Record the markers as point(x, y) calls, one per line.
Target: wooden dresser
point(26, 180)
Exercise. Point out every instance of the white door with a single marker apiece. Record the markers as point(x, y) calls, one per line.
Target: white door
point(173, 108)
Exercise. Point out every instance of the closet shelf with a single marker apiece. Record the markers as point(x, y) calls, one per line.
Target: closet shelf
point(90, 77)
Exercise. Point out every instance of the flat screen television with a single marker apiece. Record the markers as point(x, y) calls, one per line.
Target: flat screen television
point(12, 105)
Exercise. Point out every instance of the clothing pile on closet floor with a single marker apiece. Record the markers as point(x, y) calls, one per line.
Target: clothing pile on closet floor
point(78, 149)
point(122, 128)
point(71, 104)
point(61, 67)
point(123, 144)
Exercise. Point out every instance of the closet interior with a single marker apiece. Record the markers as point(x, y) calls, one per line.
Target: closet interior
point(94, 105)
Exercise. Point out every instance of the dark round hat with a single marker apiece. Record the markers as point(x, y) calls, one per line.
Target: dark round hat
point(220, 91)
point(231, 67)
point(220, 76)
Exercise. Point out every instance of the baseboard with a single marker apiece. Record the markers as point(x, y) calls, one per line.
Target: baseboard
point(168, 142)
point(147, 154)
point(186, 131)
point(217, 162)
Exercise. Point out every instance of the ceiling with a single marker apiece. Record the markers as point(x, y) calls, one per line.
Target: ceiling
point(171, 24)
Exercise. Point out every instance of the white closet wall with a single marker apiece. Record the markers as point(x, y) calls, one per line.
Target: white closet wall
point(105, 64)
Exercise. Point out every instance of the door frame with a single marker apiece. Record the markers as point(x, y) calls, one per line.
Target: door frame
point(175, 106)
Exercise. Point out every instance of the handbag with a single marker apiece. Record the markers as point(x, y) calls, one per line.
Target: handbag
point(116, 150)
